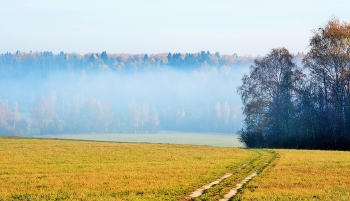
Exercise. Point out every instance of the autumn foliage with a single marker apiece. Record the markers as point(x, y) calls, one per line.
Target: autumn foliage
point(287, 108)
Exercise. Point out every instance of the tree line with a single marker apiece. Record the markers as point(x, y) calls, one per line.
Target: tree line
point(43, 64)
point(304, 107)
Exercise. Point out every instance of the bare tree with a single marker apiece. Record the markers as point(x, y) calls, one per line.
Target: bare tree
point(43, 115)
point(144, 115)
point(218, 115)
point(226, 114)
point(267, 94)
point(135, 114)
point(154, 119)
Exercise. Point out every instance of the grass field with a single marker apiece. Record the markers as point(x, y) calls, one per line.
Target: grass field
point(46, 169)
point(302, 175)
point(49, 169)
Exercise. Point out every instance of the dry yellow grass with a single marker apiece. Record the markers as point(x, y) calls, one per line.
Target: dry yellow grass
point(43, 169)
point(302, 175)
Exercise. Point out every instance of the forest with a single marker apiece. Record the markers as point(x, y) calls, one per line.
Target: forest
point(303, 107)
point(45, 93)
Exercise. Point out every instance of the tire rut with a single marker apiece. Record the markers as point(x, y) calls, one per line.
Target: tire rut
point(201, 191)
point(240, 185)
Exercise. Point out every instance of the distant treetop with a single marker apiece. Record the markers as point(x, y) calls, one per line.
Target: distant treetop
point(22, 64)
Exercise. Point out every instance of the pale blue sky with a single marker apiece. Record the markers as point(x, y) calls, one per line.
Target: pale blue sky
point(156, 26)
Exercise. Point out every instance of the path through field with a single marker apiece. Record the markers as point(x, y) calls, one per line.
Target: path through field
point(227, 186)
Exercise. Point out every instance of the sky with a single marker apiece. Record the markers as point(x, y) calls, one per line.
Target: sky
point(249, 27)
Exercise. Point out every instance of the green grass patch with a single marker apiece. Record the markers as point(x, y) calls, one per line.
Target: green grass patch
point(211, 139)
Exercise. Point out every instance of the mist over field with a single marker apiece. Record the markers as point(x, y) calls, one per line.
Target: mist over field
point(164, 87)
point(153, 98)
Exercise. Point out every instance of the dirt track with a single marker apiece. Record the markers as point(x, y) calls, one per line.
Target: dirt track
point(255, 170)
